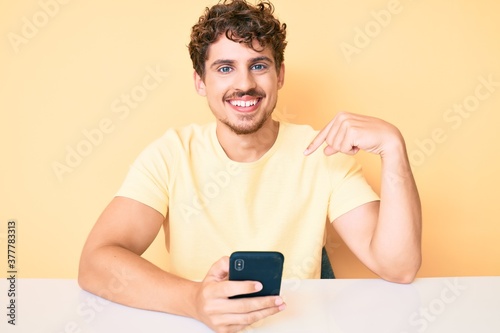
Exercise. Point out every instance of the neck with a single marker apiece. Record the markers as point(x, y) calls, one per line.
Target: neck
point(247, 147)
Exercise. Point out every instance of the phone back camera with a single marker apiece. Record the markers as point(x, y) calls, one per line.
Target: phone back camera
point(239, 264)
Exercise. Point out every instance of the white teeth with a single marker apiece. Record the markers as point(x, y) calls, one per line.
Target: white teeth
point(243, 103)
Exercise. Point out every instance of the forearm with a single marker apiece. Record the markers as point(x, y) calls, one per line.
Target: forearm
point(124, 277)
point(396, 242)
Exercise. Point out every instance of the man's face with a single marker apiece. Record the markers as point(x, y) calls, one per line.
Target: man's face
point(241, 85)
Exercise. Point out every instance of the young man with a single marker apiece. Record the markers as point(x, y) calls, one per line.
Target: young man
point(248, 182)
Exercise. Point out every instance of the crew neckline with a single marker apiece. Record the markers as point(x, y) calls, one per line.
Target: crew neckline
point(222, 154)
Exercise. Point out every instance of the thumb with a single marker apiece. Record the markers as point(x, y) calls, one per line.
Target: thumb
point(219, 270)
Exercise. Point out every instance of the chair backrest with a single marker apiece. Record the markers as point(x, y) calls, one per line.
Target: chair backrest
point(326, 266)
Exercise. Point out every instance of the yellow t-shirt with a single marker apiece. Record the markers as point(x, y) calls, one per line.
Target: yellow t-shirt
point(216, 206)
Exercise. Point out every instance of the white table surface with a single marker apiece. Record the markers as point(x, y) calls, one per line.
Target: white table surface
point(465, 304)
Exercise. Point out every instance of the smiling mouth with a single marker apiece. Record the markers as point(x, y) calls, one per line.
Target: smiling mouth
point(244, 103)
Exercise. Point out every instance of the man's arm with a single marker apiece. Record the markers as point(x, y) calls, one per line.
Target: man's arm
point(111, 266)
point(114, 247)
point(385, 236)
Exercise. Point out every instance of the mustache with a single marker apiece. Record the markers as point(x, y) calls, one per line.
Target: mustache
point(253, 92)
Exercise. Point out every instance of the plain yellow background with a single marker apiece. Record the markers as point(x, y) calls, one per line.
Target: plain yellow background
point(66, 69)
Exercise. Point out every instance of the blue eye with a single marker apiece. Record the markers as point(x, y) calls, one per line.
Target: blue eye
point(259, 67)
point(225, 69)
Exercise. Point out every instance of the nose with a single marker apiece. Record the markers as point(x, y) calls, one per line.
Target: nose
point(244, 81)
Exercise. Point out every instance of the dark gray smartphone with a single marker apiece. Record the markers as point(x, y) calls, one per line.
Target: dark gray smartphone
point(263, 266)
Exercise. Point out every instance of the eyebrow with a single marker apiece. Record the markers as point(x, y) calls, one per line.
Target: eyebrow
point(232, 62)
point(222, 62)
point(261, 58)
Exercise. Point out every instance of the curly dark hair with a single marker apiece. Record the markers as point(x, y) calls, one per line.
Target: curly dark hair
point(241, 22)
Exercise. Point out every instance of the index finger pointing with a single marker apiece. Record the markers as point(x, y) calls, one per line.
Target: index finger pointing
point(319, 139)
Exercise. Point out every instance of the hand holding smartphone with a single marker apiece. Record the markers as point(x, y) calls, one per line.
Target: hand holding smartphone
point(263, 266)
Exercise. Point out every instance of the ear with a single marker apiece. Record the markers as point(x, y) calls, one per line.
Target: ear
point(199, 85)
point(281, 76)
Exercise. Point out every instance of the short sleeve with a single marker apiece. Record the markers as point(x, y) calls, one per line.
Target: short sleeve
point(349, 187)
point(148, 177)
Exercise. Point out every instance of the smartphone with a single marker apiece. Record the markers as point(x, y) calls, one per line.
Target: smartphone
point(263, 266)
